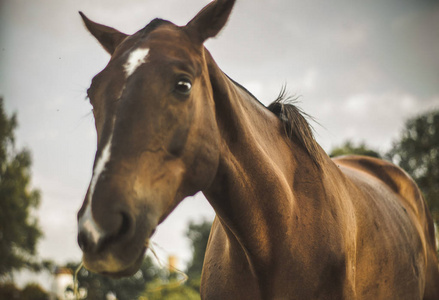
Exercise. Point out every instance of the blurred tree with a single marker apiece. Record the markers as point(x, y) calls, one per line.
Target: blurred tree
point(349, 148)
point(19, 231)
point(171, 290)
point(417, 152)
point(33, 291)
point(198, 233)
point(129, 288)
point(9, 291)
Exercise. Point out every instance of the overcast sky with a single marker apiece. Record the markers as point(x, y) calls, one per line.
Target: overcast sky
point(361, 68)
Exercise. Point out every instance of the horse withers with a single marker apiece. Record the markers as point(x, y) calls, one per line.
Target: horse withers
point(291, 223)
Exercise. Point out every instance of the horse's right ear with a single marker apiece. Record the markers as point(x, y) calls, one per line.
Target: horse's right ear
point(210, 20)
point(108, 37)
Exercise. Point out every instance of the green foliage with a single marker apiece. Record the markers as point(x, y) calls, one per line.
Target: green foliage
point(32, 291)
point(161, 289)
point(130, 288)
point(198, 233)
point(349, 148)
point(417, 152)
point(19, 231)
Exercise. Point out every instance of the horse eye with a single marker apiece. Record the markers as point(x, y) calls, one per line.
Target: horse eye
point(183, 87)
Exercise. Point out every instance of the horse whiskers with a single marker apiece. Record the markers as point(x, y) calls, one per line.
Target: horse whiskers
point(163, 265)
point(75, 281)
point(151, 248)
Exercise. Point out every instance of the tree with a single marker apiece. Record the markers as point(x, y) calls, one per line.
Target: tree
point(32, 291)
point(19, 231)
point(171, 290)
point(9, 291)
point(198, 233)
point(349, 148)
point(417, 152)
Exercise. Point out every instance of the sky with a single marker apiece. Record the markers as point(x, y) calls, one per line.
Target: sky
point(360, 68)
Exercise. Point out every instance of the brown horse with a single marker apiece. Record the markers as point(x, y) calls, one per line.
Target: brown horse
point(291, 223)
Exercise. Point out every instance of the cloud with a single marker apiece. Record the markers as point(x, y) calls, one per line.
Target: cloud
point(309, 82)
point(374, 118)
point(383, 106)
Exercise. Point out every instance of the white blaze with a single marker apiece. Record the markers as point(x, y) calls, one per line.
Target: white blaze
point(136, 59)
point(100, 166)
point(86, 221)
point(89, 225)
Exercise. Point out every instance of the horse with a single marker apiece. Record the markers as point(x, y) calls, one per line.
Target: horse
point(291, 223)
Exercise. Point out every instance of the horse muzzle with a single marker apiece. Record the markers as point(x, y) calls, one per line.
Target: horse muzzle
point(116, 249)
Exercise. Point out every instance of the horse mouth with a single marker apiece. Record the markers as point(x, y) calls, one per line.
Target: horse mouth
point(111, 267)
point(130, 270)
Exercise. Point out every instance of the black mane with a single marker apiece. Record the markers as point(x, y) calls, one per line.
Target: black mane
point(295, 124)
point(294, 121)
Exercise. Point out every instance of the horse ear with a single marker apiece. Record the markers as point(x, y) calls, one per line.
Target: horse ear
point(210, 20)
point(108, 37)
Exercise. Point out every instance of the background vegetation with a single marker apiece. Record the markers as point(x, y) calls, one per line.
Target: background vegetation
point(19, 230)
point(417, 152)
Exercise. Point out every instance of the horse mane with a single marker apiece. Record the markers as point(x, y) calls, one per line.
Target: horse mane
point(295, 124)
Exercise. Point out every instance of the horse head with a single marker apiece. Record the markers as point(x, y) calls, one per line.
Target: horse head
point(157, 136)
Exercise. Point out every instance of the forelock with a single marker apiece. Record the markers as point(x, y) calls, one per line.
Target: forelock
point(154, 24)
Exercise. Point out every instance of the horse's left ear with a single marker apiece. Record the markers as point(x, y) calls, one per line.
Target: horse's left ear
point(108, 37)
point(210, 20)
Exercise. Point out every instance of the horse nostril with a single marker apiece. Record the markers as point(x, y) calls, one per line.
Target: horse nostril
point(83, 241)
point(126, 225)
point(91, 242)
point(86, 243)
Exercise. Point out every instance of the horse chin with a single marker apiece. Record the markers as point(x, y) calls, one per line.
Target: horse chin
point(112, 267)
point(131, 270)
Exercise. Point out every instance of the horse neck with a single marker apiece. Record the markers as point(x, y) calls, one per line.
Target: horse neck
point(256, 189)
